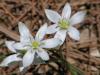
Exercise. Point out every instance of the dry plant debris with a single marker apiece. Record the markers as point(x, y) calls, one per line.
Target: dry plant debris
point(84, 54)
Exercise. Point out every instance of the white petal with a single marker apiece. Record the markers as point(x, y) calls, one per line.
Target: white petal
point(74, 33)
point(43, 54)
point(51, 43)
point(21, 69)
point(52, 15)
point(9, 44)
point(66, 13)
point(77, 18)
point(52, 29)
point(25, 35)
point(61, 34)
point(28, 58)
point(41, 32)
point(18, 46)
point(10, 59)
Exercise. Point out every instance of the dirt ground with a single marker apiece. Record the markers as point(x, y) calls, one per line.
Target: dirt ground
point(84, 54)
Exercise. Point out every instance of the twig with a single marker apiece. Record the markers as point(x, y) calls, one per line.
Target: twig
point(9, 33)
point(7, 12)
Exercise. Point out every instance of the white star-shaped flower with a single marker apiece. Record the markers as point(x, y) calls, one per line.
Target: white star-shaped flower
point(64, 24)
point(32, 46)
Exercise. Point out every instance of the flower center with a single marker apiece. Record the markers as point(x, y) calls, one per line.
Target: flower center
point(63, 24)
point(35, 44)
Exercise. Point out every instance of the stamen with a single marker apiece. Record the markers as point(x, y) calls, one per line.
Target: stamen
point(35, 44)
point(63, 24)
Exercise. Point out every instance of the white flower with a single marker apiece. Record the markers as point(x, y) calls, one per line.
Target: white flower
point(12, 58)
point(64, 23)
point(32, 46)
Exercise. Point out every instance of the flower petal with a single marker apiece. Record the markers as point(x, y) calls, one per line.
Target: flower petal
point(52, 29)
point(66, 13)
point(28, 58)
point(25, 35)
point(61, 34)
point(74, 33)
point(52, 15)
point(21, 68)
point(9, 44)
point(41, 32)
point(77, 18)
point(10, 59)
point(43, 54)
point(18, 46)
point(50, 43)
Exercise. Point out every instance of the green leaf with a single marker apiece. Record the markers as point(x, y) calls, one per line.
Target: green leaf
point(2, 57)
point(13, 74)
point(22, 53)
point(74, 70)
